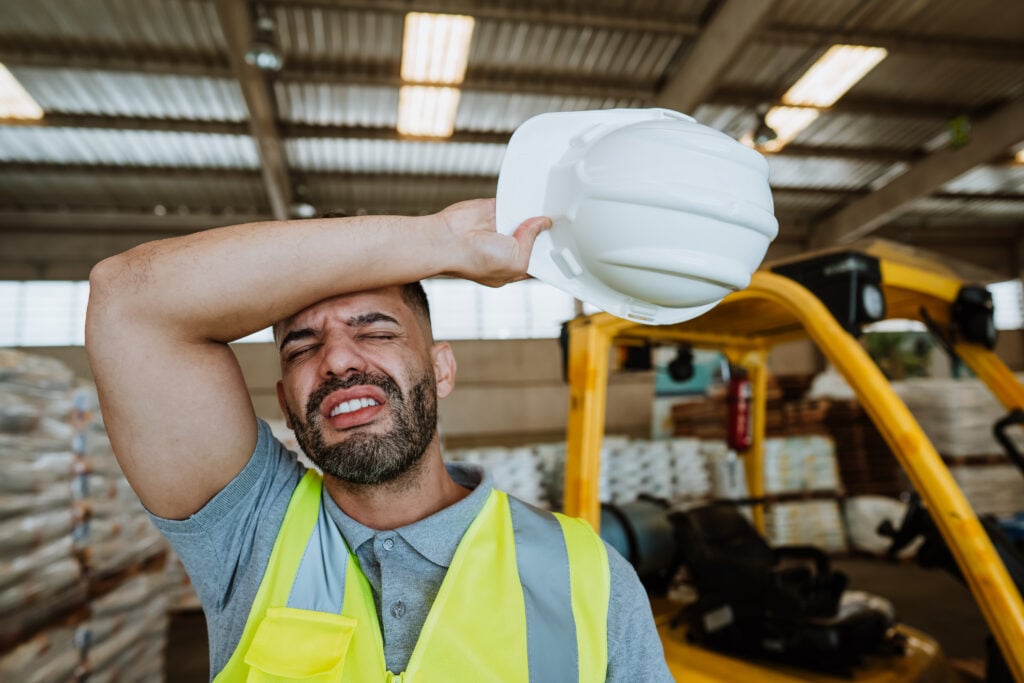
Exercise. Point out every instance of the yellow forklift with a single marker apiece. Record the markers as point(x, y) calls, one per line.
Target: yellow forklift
point(825, 297)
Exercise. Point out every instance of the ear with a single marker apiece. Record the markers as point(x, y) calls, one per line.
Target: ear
point(444, 368)
point(283, 404)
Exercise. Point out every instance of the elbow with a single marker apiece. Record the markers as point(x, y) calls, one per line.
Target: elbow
point(109, 295)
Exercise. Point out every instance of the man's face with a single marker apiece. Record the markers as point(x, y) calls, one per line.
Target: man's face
point(359, 384)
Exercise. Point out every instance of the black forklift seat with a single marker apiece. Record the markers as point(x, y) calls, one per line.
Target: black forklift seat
point(784, 604)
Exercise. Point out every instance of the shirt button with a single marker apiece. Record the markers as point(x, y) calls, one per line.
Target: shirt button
point(389, 543)
point(398, 610)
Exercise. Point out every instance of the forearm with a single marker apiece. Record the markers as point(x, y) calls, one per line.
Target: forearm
point(222, 284)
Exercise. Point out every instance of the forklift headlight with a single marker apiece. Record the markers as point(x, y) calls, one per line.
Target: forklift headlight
point(973, 315)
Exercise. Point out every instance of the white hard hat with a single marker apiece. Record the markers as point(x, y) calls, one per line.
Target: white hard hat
point(656, 217)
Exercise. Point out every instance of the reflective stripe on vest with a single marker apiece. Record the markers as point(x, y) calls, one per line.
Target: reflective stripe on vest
point(541, 616)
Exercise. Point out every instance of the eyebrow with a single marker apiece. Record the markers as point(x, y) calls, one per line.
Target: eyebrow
point(363, 320)
point(296, 335)
point(366, 319)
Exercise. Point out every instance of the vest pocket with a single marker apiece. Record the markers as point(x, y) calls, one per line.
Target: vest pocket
point(296, 644)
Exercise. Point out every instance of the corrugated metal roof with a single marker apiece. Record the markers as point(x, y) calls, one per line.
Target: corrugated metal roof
point(172, 25)
point(95, 189)
point(768, 66)
point(319, 33)
point(393, 156)
point(974, 208)
point(731, 120)
point(126, 147)
point(501, 112)
point(862, 130)
point(820, 173)
point(525, 47)
point(115, 93)
point(340, 105)
point(691, 10)
point(1005, 178)
point(803, 203)
point(957, 79)
point(992, 19)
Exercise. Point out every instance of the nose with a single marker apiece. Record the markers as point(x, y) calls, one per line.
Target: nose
point(340, 357)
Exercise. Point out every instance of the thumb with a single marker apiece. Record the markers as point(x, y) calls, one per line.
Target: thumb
point(526, 234)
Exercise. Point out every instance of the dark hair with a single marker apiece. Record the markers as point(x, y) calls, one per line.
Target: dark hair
point(416, 298)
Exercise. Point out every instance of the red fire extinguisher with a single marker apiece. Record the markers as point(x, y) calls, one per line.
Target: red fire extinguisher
point(739, 412)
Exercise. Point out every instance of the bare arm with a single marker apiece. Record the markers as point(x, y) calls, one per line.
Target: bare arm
point(160, 316)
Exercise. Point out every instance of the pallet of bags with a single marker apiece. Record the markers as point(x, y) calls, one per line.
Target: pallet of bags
point(991, 484)
point(516, 471)
point(40, 577)
point(811, 522)
point(690, 476)
point(50, 656)
point(114, 532)
point(125, 636)
point(956, 414)
point(800, 464)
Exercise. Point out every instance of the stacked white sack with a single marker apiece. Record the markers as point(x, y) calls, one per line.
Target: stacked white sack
point(690, 475)
point(516, 471)
point(800, 463)
point(956, 414)
point(812, 522)
point(39, 573)
point(47, 657)
point(125, 637)
point(116, 532)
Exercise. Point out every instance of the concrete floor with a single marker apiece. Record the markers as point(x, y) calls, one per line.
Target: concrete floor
point(929, 600)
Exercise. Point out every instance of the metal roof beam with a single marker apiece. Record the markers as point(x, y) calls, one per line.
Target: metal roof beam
point(990, 138)
point(237, 25)
point(724, 37)
point(145, 123)
point(104, 58)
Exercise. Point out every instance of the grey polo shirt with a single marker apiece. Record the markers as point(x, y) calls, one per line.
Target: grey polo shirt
point(226, 546)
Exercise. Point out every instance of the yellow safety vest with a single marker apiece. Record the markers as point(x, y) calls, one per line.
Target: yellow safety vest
point(525, 599)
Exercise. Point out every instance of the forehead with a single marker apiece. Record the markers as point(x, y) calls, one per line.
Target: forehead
point(387, 300)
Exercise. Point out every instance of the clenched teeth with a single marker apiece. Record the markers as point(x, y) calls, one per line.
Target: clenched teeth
point(352, 405)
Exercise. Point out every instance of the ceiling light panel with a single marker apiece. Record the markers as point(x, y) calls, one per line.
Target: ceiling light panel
point(15, 102)
point(833, 74)
point(435, 48)
point(427, 111)
point(787, 122)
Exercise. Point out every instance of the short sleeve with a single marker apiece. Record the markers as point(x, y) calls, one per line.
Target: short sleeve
point(635, 654)
point(226, 545)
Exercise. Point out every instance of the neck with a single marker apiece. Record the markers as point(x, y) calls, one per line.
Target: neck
point(419, 493)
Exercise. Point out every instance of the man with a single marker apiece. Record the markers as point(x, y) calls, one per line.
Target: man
point(392, 567)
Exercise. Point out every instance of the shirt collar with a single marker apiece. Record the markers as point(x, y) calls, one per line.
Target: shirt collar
point(435, 537)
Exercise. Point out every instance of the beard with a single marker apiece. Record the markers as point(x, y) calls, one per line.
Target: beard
point(371, 459)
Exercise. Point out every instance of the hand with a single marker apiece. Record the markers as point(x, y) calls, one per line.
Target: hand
point(482, 254)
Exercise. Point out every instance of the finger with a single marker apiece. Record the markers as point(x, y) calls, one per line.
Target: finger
point(527, 233)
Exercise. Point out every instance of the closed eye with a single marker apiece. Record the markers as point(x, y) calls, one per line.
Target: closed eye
point(298, 353)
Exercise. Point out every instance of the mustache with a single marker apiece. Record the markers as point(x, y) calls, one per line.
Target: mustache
point(353, 379)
